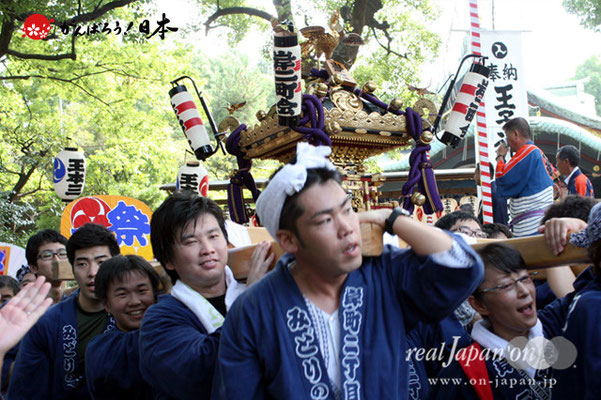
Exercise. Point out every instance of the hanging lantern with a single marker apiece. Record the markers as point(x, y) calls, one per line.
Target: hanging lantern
point(190, 121)
point(69, 174)
point(466, 105)
point(287, 69)
point(193, 176)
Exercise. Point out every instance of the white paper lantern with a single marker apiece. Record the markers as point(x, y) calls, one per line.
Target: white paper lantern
point(193, 176)
point(69, 174)
point(287, 70)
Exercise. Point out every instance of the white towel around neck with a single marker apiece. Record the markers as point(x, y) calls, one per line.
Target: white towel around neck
point(208, 315)
point(482, 334)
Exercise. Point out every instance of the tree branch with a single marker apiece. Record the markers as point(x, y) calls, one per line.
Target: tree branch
point(54, 78)
point(237, 10)
point(21, 182)
point(96, 13)
point(31, 191)
point(47, 57)
point(387, 48)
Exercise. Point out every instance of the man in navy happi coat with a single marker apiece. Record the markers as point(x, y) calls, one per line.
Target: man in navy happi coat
point(127, 285)
point(50, 363)
point(328, 323)
point(179, 336)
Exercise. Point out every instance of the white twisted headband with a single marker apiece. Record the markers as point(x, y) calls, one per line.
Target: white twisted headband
point(289, 180)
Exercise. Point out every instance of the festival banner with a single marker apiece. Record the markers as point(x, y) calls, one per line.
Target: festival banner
point(128, 218)
point(11, 259)
point(506, 97)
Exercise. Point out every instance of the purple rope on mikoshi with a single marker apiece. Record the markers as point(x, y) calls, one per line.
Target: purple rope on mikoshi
point(316, 73)
point(375, 101)
point(242, 178)
point(420, 172)
point(313, 114)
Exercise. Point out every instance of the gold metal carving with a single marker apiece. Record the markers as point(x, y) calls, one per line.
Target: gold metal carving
point(228, 125)
point(321, 90)
point(370, 87)
point(261, 115)
point(427, 110)
point(396, 104)
point(345, 100)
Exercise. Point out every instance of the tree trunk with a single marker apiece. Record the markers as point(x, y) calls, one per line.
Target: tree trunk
point(361, 15)
point(23, 179)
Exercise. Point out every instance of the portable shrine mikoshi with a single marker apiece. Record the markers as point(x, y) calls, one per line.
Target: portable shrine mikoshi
point(352, 120)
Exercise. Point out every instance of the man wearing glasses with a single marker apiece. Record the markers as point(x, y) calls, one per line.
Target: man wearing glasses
point(42, 249)
point(462, 222)
point(493, 366)
point(54, 349)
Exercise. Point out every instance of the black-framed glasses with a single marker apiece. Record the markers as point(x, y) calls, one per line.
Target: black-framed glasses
point(469, 232)
point(49, 254)
point(507, 287)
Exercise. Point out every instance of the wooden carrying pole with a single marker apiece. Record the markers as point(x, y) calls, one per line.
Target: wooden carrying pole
point(534, 250)
point(62, 271)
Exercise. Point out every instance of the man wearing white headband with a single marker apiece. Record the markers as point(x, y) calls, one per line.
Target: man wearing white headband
point(328, 323)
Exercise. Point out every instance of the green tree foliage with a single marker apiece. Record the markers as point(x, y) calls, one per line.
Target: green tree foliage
point(589, 12)
point(108, 95)
point(398, 40)
point(591, 69)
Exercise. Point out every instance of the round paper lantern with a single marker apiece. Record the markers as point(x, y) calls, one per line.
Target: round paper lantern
point(193, 176)
point(190, 121)
point(69, 173)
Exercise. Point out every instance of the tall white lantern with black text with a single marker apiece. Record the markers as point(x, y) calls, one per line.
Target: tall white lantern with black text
point(287, 70)
point(194, 177)
point(69, 173)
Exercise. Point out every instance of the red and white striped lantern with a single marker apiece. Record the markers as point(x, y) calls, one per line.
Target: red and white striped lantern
point(190, 121)
point(69, 174)
point(193, 176)
point(469, 98)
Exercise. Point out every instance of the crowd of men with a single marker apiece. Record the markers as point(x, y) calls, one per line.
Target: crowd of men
point(436, 320)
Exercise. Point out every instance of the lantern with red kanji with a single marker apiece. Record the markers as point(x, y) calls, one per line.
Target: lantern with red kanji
point(466, 104)
point(194, 177)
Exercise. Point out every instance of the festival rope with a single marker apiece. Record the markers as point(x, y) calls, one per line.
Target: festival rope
point(242, 177)
point(420, 172)
point(313, 114)
point(420, 167)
